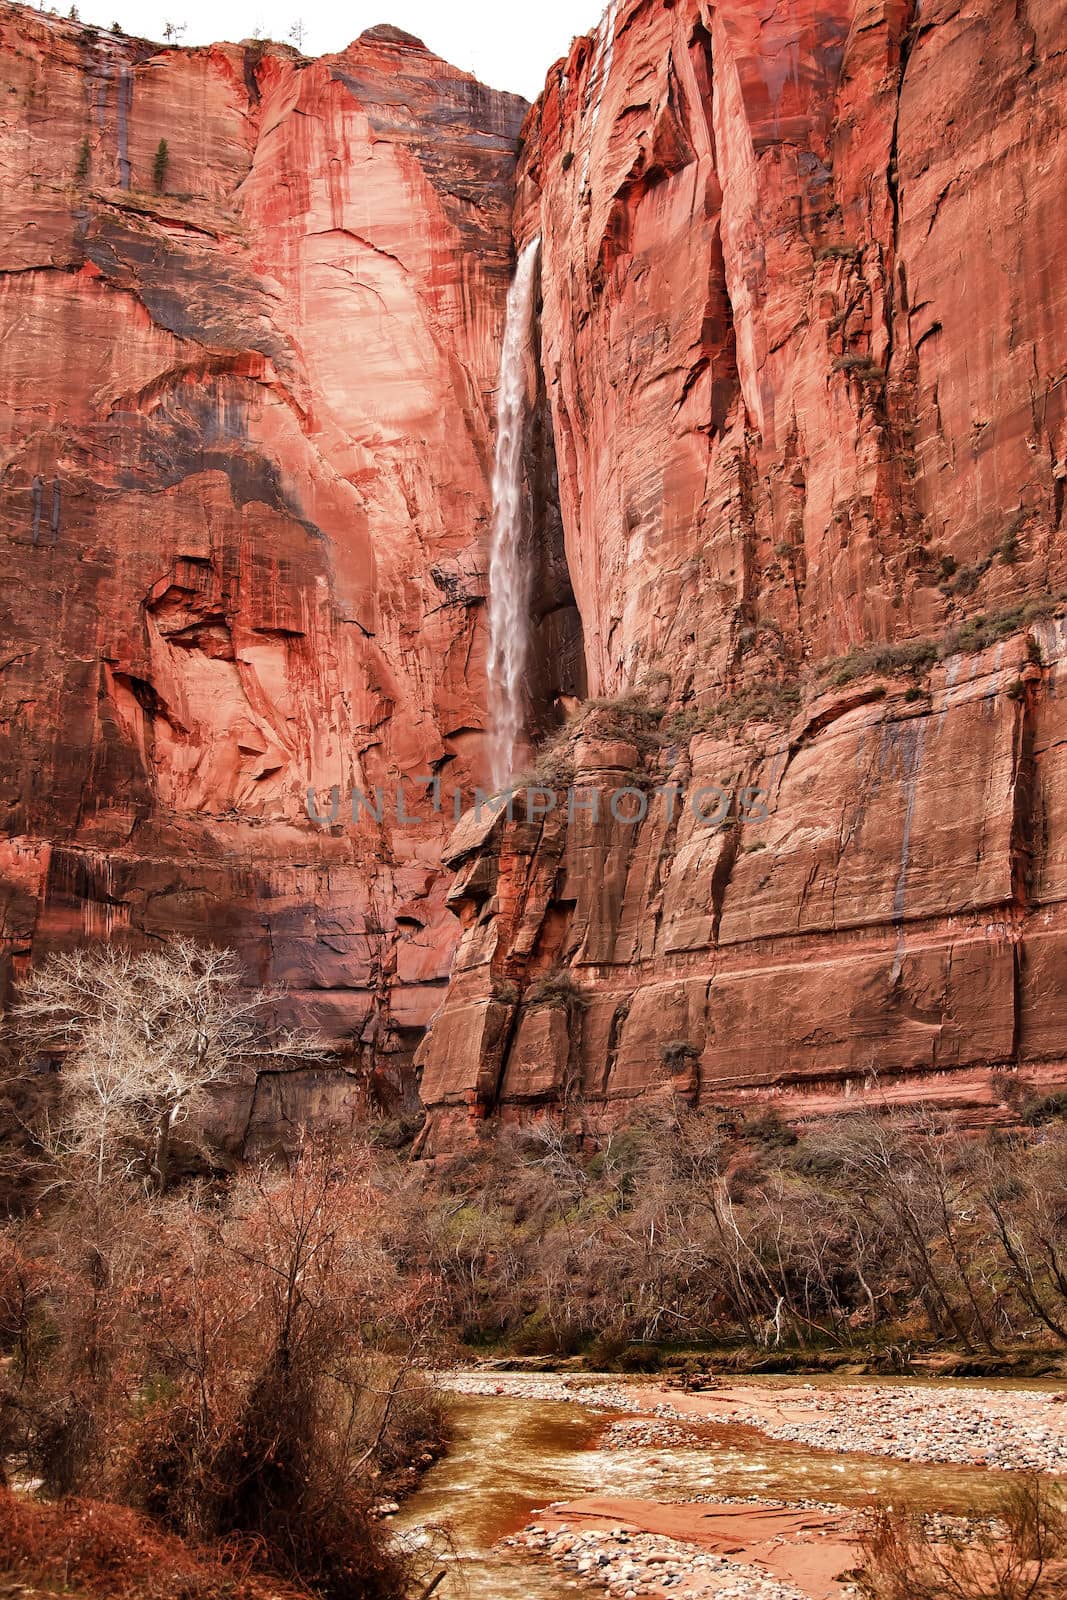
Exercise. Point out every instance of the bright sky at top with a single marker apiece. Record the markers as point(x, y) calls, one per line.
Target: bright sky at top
point(506, 46)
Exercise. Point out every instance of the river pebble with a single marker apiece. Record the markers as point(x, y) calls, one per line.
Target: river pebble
point(627, 1565)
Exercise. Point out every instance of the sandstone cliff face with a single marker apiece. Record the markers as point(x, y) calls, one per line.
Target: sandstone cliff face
point(245, 436)
point(802, 388)
point(803, 339)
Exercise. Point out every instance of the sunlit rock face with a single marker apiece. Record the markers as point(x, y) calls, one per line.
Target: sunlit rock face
point(803, 343)
point(798, 385)
point(246, 407)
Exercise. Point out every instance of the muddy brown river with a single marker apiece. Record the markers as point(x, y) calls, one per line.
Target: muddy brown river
point(511, 1457)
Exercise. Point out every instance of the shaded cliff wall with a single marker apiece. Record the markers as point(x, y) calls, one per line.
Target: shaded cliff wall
point(804, 345)
point(556, 673)
point(245, 436)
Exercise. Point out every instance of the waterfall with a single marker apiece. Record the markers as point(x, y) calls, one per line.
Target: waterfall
point(509, 565)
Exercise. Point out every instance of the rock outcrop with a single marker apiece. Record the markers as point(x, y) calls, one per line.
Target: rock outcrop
point(250, 314)
point(804, 342)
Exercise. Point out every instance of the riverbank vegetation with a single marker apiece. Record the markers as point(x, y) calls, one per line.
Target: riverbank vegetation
point(244, 1369)
point(883, 1235)
point(230, 1369)
point(233, 1365)
point(1020, 1553)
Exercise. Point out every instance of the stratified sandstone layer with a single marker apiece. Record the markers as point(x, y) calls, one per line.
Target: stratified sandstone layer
point(804, 341)
point(245, 437)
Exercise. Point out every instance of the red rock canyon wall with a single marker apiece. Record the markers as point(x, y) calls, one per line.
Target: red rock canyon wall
point(802, 391)
point(245, 438)
point(804, 339)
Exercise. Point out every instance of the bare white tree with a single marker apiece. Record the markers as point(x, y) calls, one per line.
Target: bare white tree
point(142, 1039)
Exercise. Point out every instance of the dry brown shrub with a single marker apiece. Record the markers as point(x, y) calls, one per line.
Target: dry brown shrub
point(285, 1349)
point(1021, 1554)
point(97, 1548)
point(244, 1365)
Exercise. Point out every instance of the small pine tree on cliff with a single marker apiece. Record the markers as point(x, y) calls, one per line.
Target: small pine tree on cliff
point(159, 166)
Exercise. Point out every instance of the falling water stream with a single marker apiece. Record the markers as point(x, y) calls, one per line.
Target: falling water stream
point(509, 565)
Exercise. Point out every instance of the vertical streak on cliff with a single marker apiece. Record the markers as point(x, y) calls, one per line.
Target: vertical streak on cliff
point(38, 491)
point(1023, 825)
point(913, 736)
point(509, 560)
point(598, 77)
point(123, 108)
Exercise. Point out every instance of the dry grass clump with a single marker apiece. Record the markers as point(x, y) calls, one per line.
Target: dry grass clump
point(676, 1052)
point(95, 1548)
point(909, 655)
point(861, 367)
point(916, 656)
point(762, 702)
point(627, 717)
point(557, 988)
point(988, 628)
point(1021, 1554)
point(553, 764)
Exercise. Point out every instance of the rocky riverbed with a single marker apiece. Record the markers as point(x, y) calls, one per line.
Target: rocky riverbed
point(759, 1563)
point(597, 1484)
point(1008, 1430)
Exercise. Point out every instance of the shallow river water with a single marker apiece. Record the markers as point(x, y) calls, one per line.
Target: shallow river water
point(511, 1457)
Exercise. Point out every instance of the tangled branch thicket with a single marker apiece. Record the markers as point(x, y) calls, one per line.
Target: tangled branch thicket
point(143, 1039)
point(243, 1363)
point(246, 1371)
point(873, 1230)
